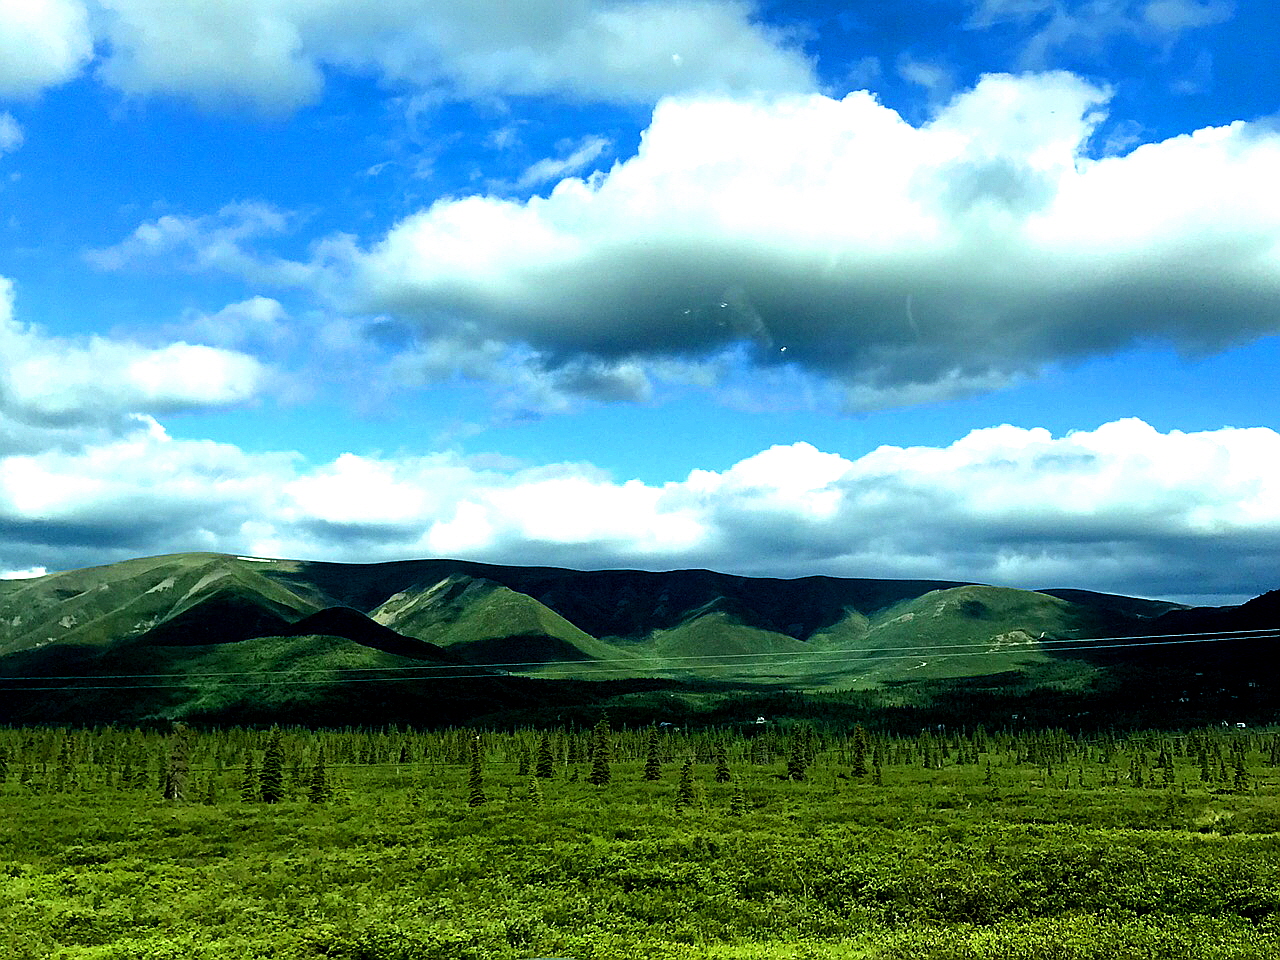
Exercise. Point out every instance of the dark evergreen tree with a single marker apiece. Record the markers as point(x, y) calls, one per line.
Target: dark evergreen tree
point(684, 792)
point(271, 779)
point(796, 761)
point(1241, 779)
point(544, 768)
point(475, 783)
point(859, 751)
point(652, 759)
point(318, 782)
point(600, 773)
point(722, 765)
point(178, 763)
point(249, 780)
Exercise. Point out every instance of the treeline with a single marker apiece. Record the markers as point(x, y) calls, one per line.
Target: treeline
point(280, 764)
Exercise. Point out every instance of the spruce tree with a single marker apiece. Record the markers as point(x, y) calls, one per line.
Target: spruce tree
point(684, 792)
point(535, 792)
point(1241, 780)
point(318, 781)
point(652, 761)
point(796, 761)
point(178, 763)
point(600, 773)
point(544, 769)
point(271, 779)
point(249, 780)
point(859, 751)
point(475, 783)
point(722, 766)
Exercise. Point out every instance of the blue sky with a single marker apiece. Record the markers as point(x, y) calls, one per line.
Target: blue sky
point(965, 289)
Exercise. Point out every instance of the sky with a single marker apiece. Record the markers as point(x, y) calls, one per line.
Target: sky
point(980, 290)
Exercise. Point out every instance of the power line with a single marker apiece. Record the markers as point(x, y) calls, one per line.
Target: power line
point(727, 659)
point(1271, 634)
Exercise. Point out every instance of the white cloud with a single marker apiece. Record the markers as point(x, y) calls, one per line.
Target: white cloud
point(48, 381)
point(210, 51)
point(1122, 508)
point(218, 242)
point(1088, 26)
point(29, 573)
point(907, 263)
point(258, 321)
point(933, 78)
point(274, 52)
point(10, 134)
point(43, 43)
point(1173, 16)
point(556, 168)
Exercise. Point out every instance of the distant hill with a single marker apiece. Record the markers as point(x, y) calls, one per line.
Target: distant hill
point(223, 637)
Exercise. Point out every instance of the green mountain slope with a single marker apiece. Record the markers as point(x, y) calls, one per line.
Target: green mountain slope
point(196, 635)
point(966, 631)
point(198, 596)
point(485, 622)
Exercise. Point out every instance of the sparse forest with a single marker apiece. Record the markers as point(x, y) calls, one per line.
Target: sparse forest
point(773, 841)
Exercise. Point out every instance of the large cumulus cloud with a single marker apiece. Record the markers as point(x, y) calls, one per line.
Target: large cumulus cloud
point(1122, 508)
point(42, 43)
point(907, 263)
point(275, 53)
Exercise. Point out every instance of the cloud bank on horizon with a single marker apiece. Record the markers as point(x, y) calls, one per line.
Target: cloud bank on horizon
point(639, 210)
point(1123, 507)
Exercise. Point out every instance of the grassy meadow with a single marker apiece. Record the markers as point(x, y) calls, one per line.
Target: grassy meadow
point(756, 843)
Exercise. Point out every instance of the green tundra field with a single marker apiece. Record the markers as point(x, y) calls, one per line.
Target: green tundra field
point(760, 843)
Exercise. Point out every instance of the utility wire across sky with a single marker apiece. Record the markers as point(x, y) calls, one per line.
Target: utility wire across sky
point(678, 663)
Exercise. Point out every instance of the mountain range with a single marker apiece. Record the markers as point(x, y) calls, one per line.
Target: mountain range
point(217, 637)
